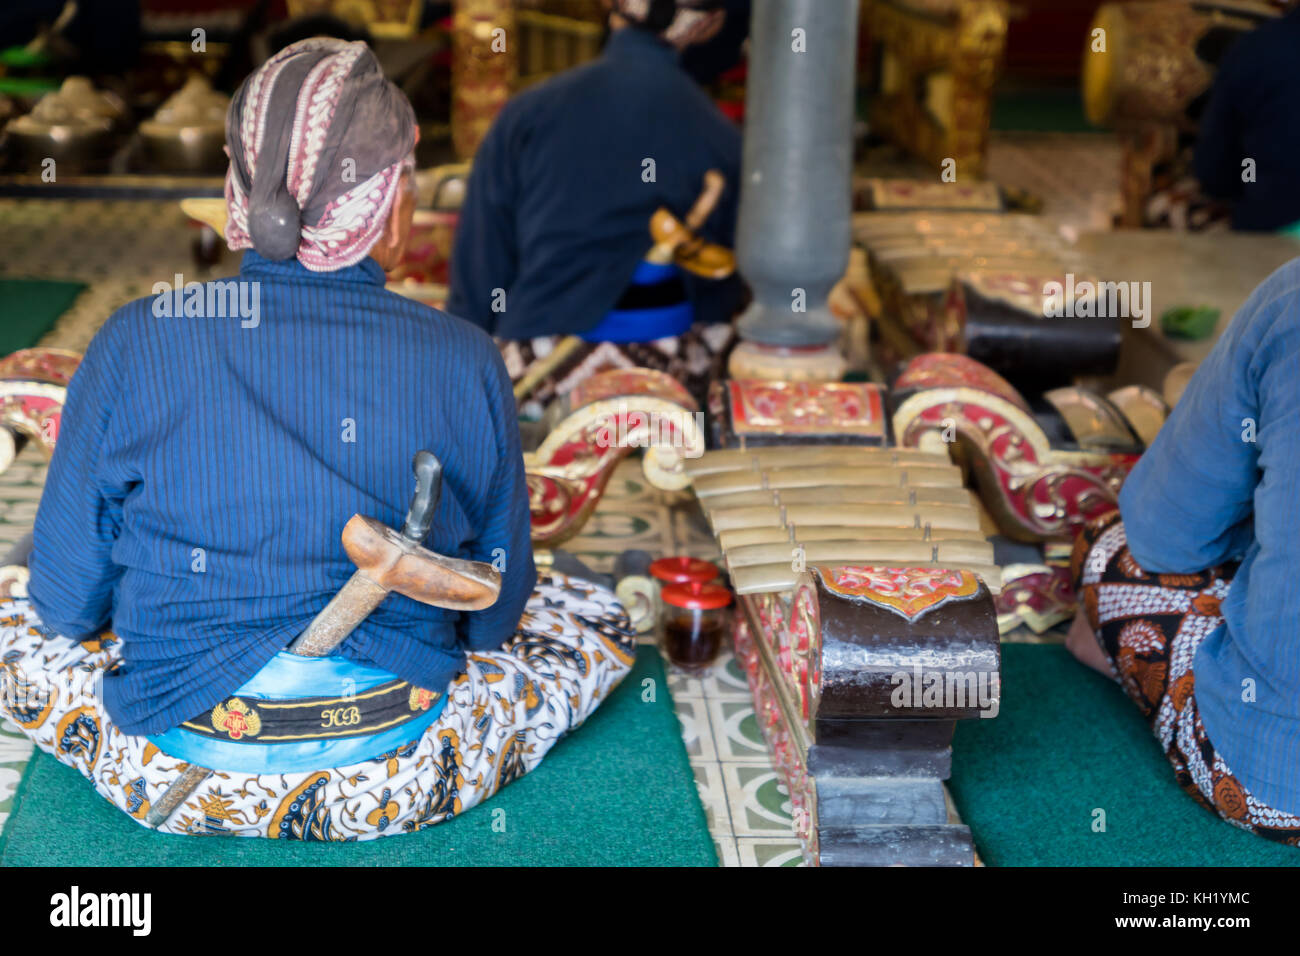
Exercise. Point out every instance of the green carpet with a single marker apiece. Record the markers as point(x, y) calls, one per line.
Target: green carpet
point(1040, 111)
point(30, 307)
point(1069, 742)
point(618, 792)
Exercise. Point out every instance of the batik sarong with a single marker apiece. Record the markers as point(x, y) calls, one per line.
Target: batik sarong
point(502, 715)
point(693, 358)
point(1150, 626)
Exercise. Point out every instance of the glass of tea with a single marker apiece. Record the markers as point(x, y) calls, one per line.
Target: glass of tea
point(694, 623)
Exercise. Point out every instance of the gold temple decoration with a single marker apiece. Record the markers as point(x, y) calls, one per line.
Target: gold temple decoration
point(938, 60)
point(484, 68)
point(384, 19)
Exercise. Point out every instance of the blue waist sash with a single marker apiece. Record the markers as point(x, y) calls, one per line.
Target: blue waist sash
point(655, 306)
point(299, 714)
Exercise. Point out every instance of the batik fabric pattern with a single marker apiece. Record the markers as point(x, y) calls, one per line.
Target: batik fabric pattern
point(504, 713)
point(694, 358)
point(350, 220)
point(1150, 626)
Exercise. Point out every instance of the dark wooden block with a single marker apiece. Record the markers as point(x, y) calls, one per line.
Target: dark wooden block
point(876, 801)
point(864, 748)
point(929, 651)
point(939, 845)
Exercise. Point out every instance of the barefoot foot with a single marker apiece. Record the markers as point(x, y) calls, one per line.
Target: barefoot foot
point(1083, 644)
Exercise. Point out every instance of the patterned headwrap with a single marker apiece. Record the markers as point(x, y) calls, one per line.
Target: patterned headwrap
point(685, 21)
point(318, 139)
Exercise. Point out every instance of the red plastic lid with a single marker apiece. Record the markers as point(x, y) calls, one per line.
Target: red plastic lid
point(681, 570)
point(696, 595)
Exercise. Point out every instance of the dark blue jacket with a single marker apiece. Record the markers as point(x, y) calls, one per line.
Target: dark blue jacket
point(558, 208)
point(1254, 113)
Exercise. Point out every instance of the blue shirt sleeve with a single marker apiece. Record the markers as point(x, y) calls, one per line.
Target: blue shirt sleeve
point(1191, 502)
point(484, 255)
point(80, 515)
point(505, 541)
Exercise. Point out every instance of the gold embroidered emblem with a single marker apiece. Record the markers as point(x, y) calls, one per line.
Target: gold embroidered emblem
point(236, 719)
point(422, 699)
point(340, 717)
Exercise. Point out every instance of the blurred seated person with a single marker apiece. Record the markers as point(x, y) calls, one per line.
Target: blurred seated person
point(550, 249)
point(99, 37)
point(1254, 114)
point(708, 60)
point(1188, 593)
point(205, 468)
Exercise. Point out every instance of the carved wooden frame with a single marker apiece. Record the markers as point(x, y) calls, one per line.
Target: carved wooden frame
point(636, 408)
point(1034, 491)
point(33, 389)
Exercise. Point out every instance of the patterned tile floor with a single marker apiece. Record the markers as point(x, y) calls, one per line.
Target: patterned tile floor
point(747, 809)
point(121, 248)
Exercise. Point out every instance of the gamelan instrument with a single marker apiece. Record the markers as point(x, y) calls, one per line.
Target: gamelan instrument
point(955, 279)
point(863, 569)
point(862, 573)
point(1160, 57)
point(593, 427)
point(935, 63)
point(1042, 467)
point(33, 388)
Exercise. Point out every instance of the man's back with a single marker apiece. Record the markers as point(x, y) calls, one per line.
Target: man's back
point(218, 458)
point(1254, 114)
point(563, 187)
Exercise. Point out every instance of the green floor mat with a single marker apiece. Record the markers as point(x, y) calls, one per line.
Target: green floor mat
point(618, 791)
point(1067, 743)
point(1040, 111)
point(30, 307)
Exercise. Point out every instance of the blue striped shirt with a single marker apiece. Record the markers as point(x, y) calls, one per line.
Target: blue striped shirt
point(206, 467)
point(1222, 481)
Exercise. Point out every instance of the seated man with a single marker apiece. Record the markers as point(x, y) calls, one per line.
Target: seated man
point(555, 226)
point(1253, 114)
point(1188, 593)
point(206, 468)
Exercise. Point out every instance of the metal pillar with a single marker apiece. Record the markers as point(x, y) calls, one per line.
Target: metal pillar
point(796, 176)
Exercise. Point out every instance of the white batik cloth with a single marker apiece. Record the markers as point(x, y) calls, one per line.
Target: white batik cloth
point(572, 648)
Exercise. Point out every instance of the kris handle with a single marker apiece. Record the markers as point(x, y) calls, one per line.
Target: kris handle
point(714, 184)
point(428, 489)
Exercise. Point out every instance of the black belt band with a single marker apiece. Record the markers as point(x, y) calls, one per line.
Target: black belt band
point(253, 721)
point(657, 295)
